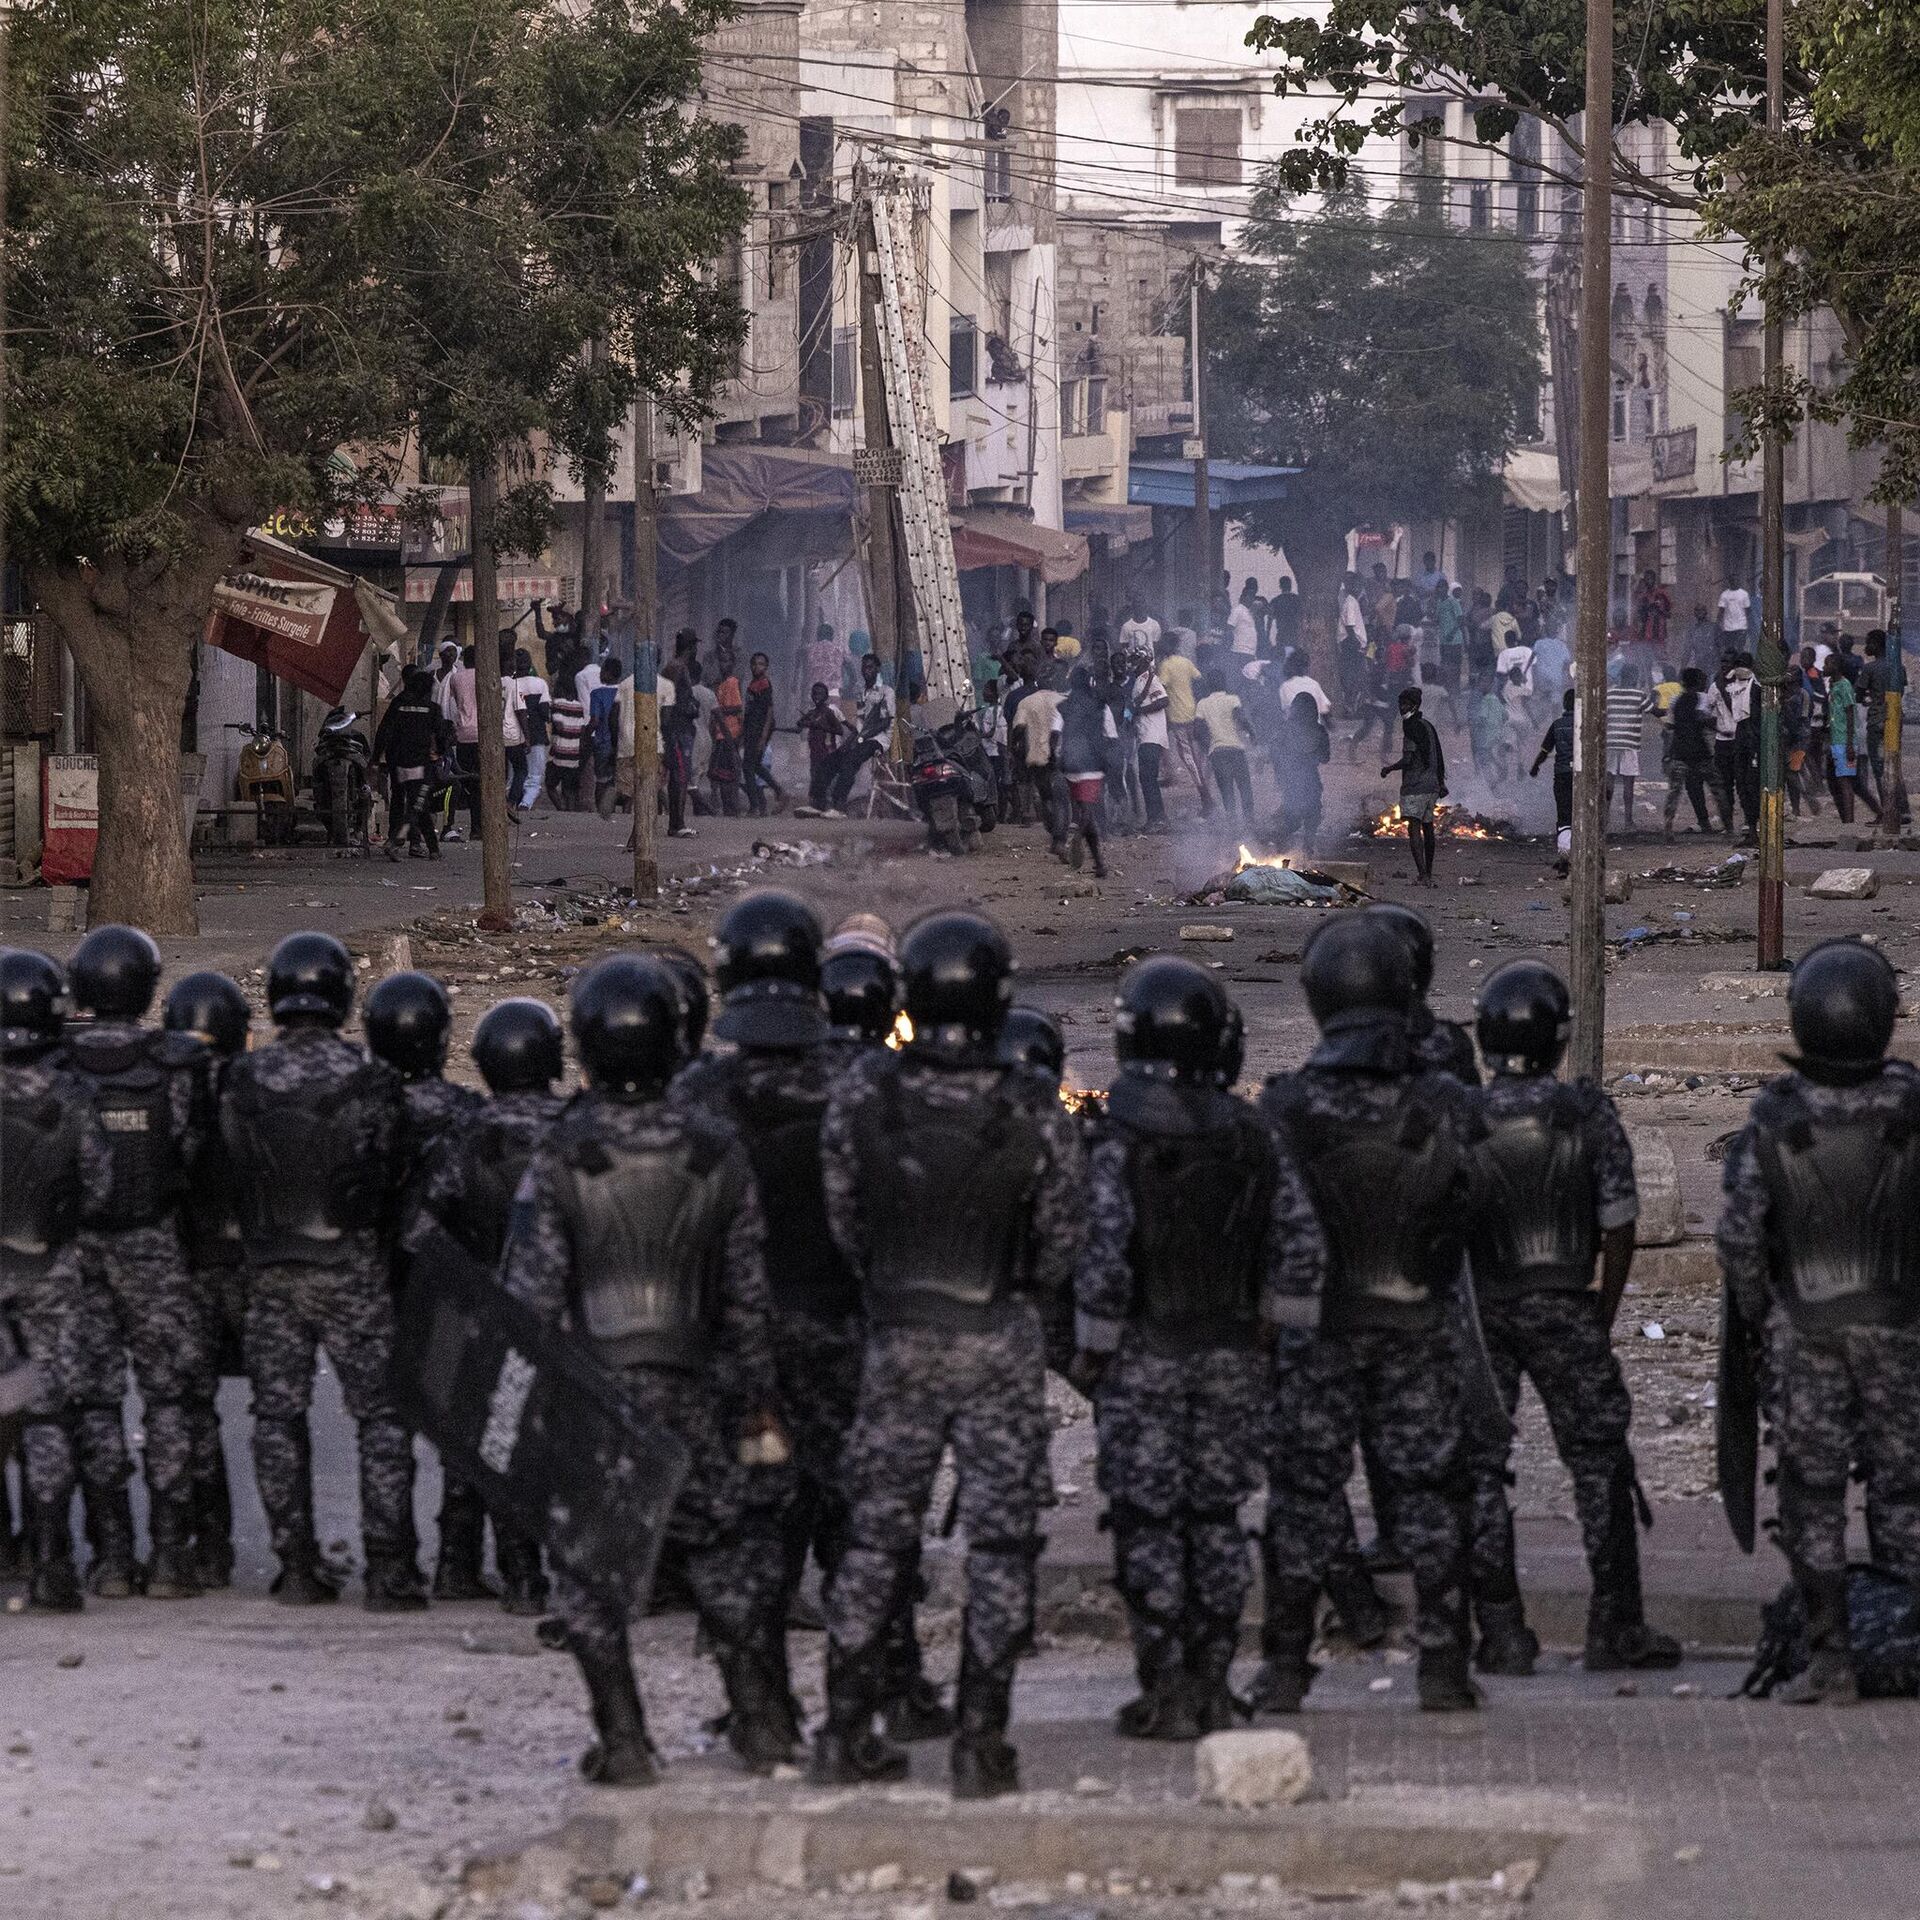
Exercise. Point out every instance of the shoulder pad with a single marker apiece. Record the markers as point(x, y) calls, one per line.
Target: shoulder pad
point(180, 1052)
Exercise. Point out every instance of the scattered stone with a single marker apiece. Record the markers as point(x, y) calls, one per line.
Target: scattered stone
point(886, 1878)
point(379, 1817)
point(241, 1859)
point(697, 1885)
point(1238, 1882)
point(965, 1885)
point(1516, 1879)
point(1662, 1220)
point(1686, 1855)
point(601, 1890)
point(1090, 1785)
point(1685, 1690)
point(323, 1886)
point(1255, 1768)
point(1653, 1330)
point(19, 1746)
point(1846, 883)
point(1075, 1883)
point(69, 1660)
point(1205, 931)
point(266, 1863)
point(1619, 886)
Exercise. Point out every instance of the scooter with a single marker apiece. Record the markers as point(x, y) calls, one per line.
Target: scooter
point(265, 776)
point(342, 796)
point(960, 740)
point(943, 791)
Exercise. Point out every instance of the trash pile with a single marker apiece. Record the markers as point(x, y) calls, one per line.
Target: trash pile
point(1262, 883)
point(1725, 873)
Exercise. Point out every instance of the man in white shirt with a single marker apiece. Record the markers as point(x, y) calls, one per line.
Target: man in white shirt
point(1514, 654)
point(1139, 631)
point(1299, 681)
point(1243, 631)
point(1735, 603)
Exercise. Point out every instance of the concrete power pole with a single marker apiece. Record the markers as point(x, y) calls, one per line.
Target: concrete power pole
point(1587, 913)
point(646, 658)
point(1202, 552)
point(1896, 671)
point(1771, 941)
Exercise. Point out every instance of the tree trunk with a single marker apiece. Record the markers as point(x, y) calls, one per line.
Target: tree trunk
point(1319, 562)
point(496, 871)
point(131, 632)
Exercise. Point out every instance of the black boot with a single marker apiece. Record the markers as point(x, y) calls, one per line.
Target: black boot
point(621, 1755)
point(394, 1584)
point(759, 1725)
point(457, 1571)
point(53, 1586)
point(173, 1572)
point(1286, 1640)
point(213, 1528)
point(1444, 1676)
point(304, 1579)
point(1363, 1614)
point(1212, 1641)
point(1618, 1637)
point(521, 1574)
point(1165, 1708)
point(1829, 1679)
point(1508, 1645)
point(114, 1573)
point(914, 1709)
point(984, 1762)
point(846, 1751)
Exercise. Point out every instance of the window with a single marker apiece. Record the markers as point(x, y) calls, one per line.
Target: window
point(1206, 146)
point(1524, 160)
point(963, 350)
point(1479, 205)
point(844, 380)
point(1097, 403)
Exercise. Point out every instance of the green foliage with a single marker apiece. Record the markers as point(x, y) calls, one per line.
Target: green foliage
point(1395, 359)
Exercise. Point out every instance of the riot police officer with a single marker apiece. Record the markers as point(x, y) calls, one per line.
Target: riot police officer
point(1557, 1173)
point(638, 1225)
point(53, 1159)
point(955, 1188)
point(695, 1002)
point(860, 988)
point(468, 1192)
point(1385, 1144)
point(1201, 1236)
point(1818, 1253)
point(313, 1127)
point(1444, 1045)
point(210, 1008)
point(1030, 1037)
point(146, 1091)
point(409, 1024)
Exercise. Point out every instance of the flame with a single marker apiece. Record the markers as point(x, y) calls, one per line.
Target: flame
point(1248, 858)
point(902, 1031)
point(1082, 1099)
point(1451, 823)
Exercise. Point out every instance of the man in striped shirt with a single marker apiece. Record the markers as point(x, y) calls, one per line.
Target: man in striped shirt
point(568, 727)
point(1628, 704)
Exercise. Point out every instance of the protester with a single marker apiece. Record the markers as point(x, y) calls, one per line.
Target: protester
point(1422, 768)
point(536, 705)
point(1228, 736)
point(1302, 749)
point(1180, 675)
point(568, 727)
point(1085, 728)
point(1690, 754)
point(1628, 704)
point(409, 742)
point(756, 746)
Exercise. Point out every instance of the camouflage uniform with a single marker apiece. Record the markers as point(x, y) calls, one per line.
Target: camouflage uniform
point(1841, 1398)
point(344, 1304)
point(1554, 1335)
point(1177, 1404)
point(734, 1573)
point(1444, 1045)
point(1373, 1371)
point(435, 1110)
point(45, 1309)
point(161, 1319)
point(977, 1381)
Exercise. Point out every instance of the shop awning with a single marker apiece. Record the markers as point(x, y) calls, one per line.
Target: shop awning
point(1532, 477)
point(741, 485)
point(992, 537)
point(1128, 526)
point(302, 619)
point(1230, 483)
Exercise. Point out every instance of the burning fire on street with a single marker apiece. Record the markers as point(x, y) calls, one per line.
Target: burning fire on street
point(1078, 1100)
point(1449, 823)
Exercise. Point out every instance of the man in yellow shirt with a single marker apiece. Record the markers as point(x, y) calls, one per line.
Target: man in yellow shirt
point(1183, 682)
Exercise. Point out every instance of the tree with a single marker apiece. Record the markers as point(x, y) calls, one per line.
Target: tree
point(174, 370)
point(1827, 211)
point(1394, 359)
point(544, 234)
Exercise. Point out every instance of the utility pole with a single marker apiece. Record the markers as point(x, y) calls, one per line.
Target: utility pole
point(1896, 667)
point(1202, 531)
point(593, 532)
point(646, 658)
point(1772, 932)
point(1587, 875)
point(882, 569)
point(496, 869)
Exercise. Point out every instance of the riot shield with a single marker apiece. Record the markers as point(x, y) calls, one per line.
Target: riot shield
point(535, 1424)
point(1737, 1419)
point(1481, 1407)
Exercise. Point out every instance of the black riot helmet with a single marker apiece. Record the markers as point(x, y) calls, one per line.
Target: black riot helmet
point(1522, 1017)
point(113, 972)
point(1032, 1038)
point(210, 1006)
point(1842, 1001)
point(767, 961)
point(626, 1017)
point(1357, 963)
point(409, 1021)
point(957, 972)
point(1173, 1021)
point(310, 977)
point(862, 992)
point(1415, 929)
point(33, 994)
point(689, 979)
point(518, 1047)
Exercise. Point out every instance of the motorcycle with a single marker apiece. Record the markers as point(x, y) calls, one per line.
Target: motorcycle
point(265, 776)
point(946, 790)
point(960, 740)
point(342, 795)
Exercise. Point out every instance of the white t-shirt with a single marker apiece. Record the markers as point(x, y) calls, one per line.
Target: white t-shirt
point(1734, 603)
point(1150, 729)
point(1352, 620)
point(584, 683)
point(1243, 629)
point(1511, 657)
point(1300, 683)
point(1822, 653)
point(1144, 632)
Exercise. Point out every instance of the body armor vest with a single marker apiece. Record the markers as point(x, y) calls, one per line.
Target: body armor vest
point(1537, 1227)
point(1844, 1225)
point(947, 1193)
point(305, 1185)
point(39, 1183)
point(493, 1158)
point(649, 1228)
point(781, 1129)
point(1383, 1190)
point(131, 1085)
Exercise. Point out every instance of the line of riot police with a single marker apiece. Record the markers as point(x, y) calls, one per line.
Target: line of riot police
point(822, 1264)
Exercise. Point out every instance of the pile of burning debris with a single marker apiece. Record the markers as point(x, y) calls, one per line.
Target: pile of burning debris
point(1273, 880)
point(1449, 823)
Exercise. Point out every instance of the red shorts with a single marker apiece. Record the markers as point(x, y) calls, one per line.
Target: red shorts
point(1086, 787)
